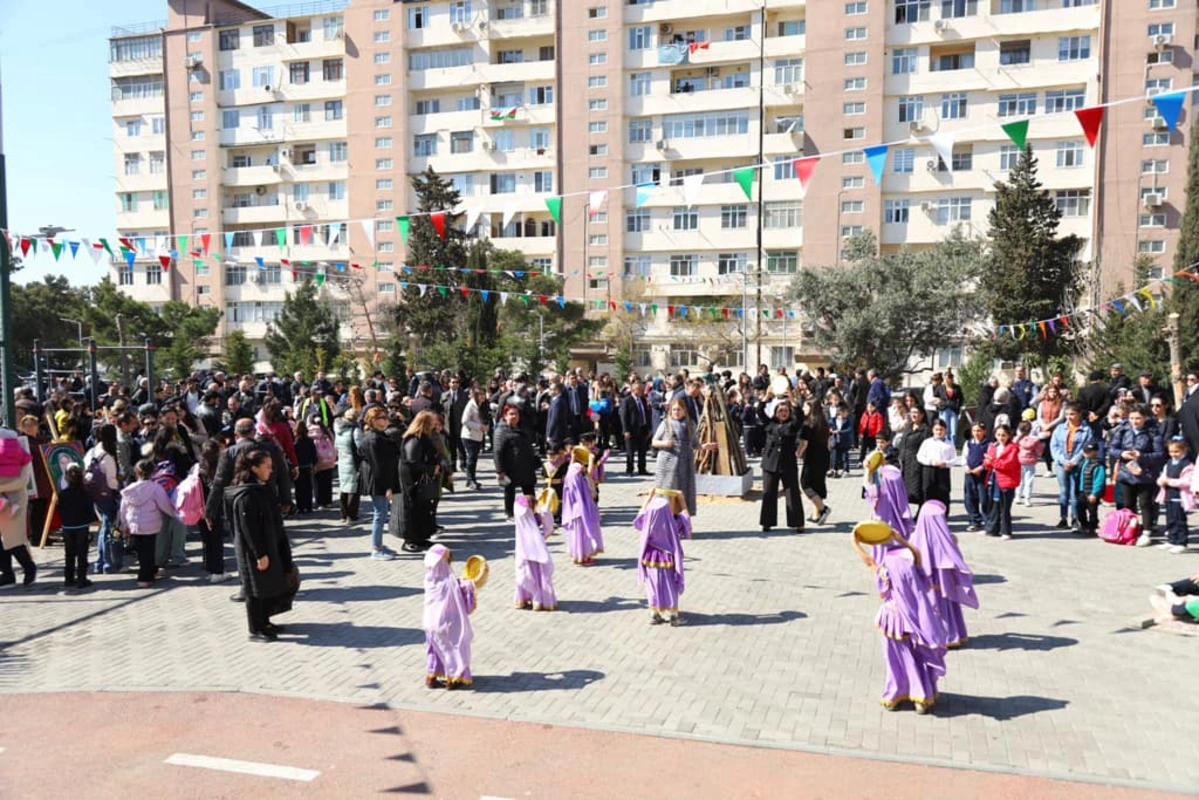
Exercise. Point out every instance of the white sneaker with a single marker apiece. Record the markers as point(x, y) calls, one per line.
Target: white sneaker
point(1165, 590)
point(1178, 549)
point(1144, 540)
point(1164, 546)
point(218, 577)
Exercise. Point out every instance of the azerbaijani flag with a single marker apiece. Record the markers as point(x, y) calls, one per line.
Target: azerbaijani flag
point(503, 113)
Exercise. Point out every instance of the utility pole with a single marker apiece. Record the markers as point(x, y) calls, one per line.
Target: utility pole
point(761, 180)
point(1174, 335)
point(6, 348)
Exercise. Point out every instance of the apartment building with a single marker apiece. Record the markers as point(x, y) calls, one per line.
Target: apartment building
point(236, 122)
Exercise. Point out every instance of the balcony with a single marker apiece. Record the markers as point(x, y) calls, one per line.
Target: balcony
point(251, 176)
point(315, 89)
point(531, 115)
point(256, 215)
point(721, 52)
point(141, 66)
point(692, 102)
point(527, 72)
point(672, 10)
point(529, 245)
point(446, 121)
point(990, 26)
point(541, 25)
point(143, 181)
point(138, 106)
point(316, 49)
point(449, 78)
point(245, 136)
point(785, 46)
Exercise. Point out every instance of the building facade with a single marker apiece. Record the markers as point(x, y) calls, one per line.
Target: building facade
point(236, 122)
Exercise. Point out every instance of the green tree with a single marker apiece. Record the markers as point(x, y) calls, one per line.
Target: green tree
point(36, 311)
point(191, 327)
point(1134, 338)
point(305, 335)
point(1032, 273)
point(885, 311)
point(238, 356)
point(1184, 298)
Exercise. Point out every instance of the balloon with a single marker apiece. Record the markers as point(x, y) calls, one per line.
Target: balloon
point(595, 405)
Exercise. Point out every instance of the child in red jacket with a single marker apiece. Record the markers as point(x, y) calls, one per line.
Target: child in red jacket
point(869, 427)
point(1002, 462)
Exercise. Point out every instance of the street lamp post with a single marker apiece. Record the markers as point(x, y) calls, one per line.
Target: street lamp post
point(78, 327)
point(6, 348)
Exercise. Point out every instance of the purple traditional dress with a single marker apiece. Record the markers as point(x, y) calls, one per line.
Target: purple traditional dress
point(888, 497)
point(663, 523)
point(942, 562)
point(534, 566)
point(580, 515)
point(448, 604)
point(914, 635)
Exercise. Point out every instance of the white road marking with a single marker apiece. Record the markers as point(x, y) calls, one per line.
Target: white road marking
point(493, 797)
point(244, 767)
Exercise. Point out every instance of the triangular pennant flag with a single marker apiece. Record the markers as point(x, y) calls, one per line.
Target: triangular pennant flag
point(260, 262)
point(1148, 295)
point(421, 289)
point(205, 241)
point(804, 167)
point(320, 279)
point(165, 260)
point(1017, 131)
point(542, 298)
point(503, 298)
point(485, 294)
point(1133, 299)
point(141, 244)
point(305, 234)
point(26, 243)
point(1044, 332)
point(554, 204)
point(257, 238)
point(465, 291)
point(56, 248)
point(1052, 326)
point(511, 207)
point(472, 216)
point(443, 290)
point(92, 250)
point(368, 230)
point(438, 220)
point(405, 225)
point(942, 144)
point(691, 186)
point(228, 241)
point(181, 240)
point(105, 245)
point(1118, 306)
point(642, 197)
point(745, 179)
point(281, 237)
point(595, 201)
point(128, 244)
point(332, 233)
point(561, 301)
point(876, 157)
point(285, 262)
point(1090, 119)
point(1169, 107)
point(693, 46)
point(129, 258)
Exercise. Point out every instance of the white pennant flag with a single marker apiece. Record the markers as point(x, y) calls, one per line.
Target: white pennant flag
point(91, 251)
point(368, 228)
point(422, 287)
point(472, 216)
point(334, 235)
point(503, 298)
point(691, 184)
point(596, 201)
point(510, 210)
point(160, 245)
point(942, 143)
point(257, 240)
point(643, 309)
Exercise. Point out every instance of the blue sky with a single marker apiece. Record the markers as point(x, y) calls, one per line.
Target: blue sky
point(57, 123)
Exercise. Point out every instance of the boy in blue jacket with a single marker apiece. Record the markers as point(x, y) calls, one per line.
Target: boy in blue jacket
point(1092, 478)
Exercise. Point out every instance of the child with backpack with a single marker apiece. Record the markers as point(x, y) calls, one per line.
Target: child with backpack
point(101, 481)
point(1176, 495)
point(76, 510)
point(1092, 478)
point(144, 506)
point(1030, 446)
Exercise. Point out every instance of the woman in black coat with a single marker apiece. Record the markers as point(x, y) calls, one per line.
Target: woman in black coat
point(420, 483)
point(817, 458)
point(264, 562)
point(378, 476)
point(780, 464)
point(911, 436)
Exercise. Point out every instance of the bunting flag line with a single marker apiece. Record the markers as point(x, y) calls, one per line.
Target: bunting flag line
point(1090, 119)
point(691, 188)
point(405, 226)
point(804, 167)
point(876, 157)
point(942, 144)
point(438, 220)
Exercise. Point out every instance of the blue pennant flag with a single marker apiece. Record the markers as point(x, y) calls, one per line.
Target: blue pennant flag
point(228, 241)
point(628, 307)
point(1169, 107)
point(1119, 307)
point(485, 294)
point(141, 244)
point(561, 301)
point(129, 257)
point(519, 274)
point(74, 248)
point(403, 285)
point(341, 266)
point(740, 312)
point(876, 157)
point(258, 259)
point(643, 193)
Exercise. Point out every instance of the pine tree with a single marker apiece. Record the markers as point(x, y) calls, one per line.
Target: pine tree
point(239, 356)
point(1032, 274)
point(1185, 297)
point(305, 332)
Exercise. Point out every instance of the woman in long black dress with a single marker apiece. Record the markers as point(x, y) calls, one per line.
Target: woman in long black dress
point(264, 560)
point(420, 481)
point(911, 436)
point(780, 464)
point(817, 457)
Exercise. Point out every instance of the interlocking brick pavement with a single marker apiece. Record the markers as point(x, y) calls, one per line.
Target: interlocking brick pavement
point(780, 651)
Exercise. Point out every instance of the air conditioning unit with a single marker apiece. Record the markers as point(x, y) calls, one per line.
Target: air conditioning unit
point(260, 190)
point(1159, 124)
point(927, 207)
point(1163, 40)
point(488, 145)
point(917, 126)
point(1152, 200)
point(662, 144)
point(285, 153)
point(482, 24)
point(793, 88)
point(301, 206)
point(942, 25)
point(931, 165)
point(665, 28)
point(195, 60)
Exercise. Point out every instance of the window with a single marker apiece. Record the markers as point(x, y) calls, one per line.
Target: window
point(599, 104)
point(385, 205)
point(543, 181)
point(852, 206)
point(543, 96)
point(855, 59)
point(1152, 246)
point(637, 220)
point(298, 72)
point(424, 107)
point(230, 39)
point(333, 110)
point(199, 174)
point(734, 216)
point(469, 102)
point(1017, 6)
point(640, 37)
point(952, 209)
point(717, 123)
point(1162, 191)
point(301, 112)
point(1073, 48)
point(597, 81)
point(684, 266)
point(961, 160)
point(1155, 139)
point(235, 274)
point(680, 357)
point(337, 190)
point(853, 157)
point(597, 173)
point(909, 11)
point(953, 105)
point(955, 9)
point(731, 263)
point(124, 275)
point(1017, 52)
point(1069, 154)
point(133, 163)
point(600, 126)
point(511, 57)
point(503, 183)
point(199, 155)
point(382, 100)
point(382, 15)
point(895, 212)
point(1155, 86)
point(154, 274)
point(383, 122)
point(1165, 56)
point(1157, 28)
point(784, 168)
point(597, 150)
point(162, 203)
point(854, 85)
point(782, 262)
point(263, 77)
point(504, 141)
point(462, 141)
point(1152, 220)
point(597, 12)
point(855, 34)
point(539, 138)
point(264, 35)
point(136, 88)
point(255, 311)
point(737, 33)
point(911, 109)
point(339, 151)
point(383, 79)
point(382, 37)
point(1151, 167)
point(1023, 104)
point(903, 160)
point(418, 17)
point(158, 163)
point(1063, 100)
point(230, 79)
point(333, 69)
point(782, 214)
point(851, 134)
point(195, 97)
point(903, 60)
point(792, 27)
point(1073, 202)
point(850, 109)
point(854, 9)
point(597, 240)
point(853, 182)
point(381, 59)
point(460, 12)
point(133, 127)
point(424, 145)
point(637, 266)
point(952, 61)
point(597, 35)
point(595, 59)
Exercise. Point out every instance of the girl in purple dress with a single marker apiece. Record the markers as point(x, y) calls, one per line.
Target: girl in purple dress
point(446, 620)
point(580, 515)
point(534, 565)
point(886, 493)
point(946, 569)
point(914, 637)
point(663, 523)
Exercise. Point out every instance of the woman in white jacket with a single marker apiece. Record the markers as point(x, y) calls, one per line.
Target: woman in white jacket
point(473, 430)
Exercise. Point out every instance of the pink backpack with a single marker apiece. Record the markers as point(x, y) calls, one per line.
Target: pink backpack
point(189, 498)
point(1121, 526)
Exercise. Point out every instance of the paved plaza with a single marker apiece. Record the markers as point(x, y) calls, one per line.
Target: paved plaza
point(1058, 679)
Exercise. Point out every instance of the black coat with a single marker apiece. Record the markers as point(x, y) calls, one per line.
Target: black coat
point(453, 402)
point(280, 476)
point(257, 524)
point(1096, 398)
point(782, 440)
point(1188, 420)
point(379, 470)
point(909, 446)
point(631, 419)
point(558, 421)
point(514, 455)
point(418, 458)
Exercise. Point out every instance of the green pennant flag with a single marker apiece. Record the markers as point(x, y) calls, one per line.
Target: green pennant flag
point(1017, 132)
point(653, 307)
point(442, 290)
point(281, 237)
point(745, 179)
point(198, 263)
point(216, 256)
point(524, 298)
point(57, 249)
point(182, 240)
point(554, 204)
point(103, 242)
point(320, 278)
point(403, 224)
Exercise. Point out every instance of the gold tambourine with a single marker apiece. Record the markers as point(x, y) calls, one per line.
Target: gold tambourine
point(780, 385)
point(476, 571)
point(874, 532)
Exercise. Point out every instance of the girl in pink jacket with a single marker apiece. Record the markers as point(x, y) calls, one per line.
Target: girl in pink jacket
point(1030, 447)
point(143, 503)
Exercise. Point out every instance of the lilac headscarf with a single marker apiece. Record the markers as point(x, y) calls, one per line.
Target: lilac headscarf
point(661, 530)
point(531, 533)
point(940, 558)
point(446, 615)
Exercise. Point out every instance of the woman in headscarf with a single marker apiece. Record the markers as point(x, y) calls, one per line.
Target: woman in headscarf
point(663, 523)
point(580, 514)
point(534, 564)
point(886, 493)
point(264, 560)
point(449, 602)
point(420, 482)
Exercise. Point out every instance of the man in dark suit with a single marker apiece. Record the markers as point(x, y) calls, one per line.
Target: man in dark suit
point(557, 420)
point(453, 402)
point(576, 398)
point(1188, 412)
point(635, 420)
point(693, 399)
point(1095, 399)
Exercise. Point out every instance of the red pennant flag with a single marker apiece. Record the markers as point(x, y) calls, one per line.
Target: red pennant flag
point(534, 274)
point(804, 167)
point(778, 312)
point(670, 311)
point(1063, 319)
point(128, 244)
point(465, 291)
point(355, 265)
point(165, 260)
point(285, 262)
point(693, 46)
point(305, 234)
point(438, 220)
point(542, 298)
point(726, 312)
point(1090, 119)
point(205, 241)
point(423, 266)
point(295, 276)
point(25, 245)
point(612, 305)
